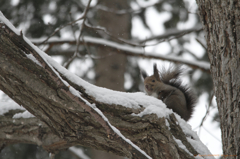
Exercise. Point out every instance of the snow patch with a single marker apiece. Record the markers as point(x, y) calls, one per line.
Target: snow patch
point(181, 145)
point(194, 140)
point(153, 109)
point(25, 114)
point(7, 106)
point(120, 134)
point(201, 149)
point(30, 56)
point(167, 124)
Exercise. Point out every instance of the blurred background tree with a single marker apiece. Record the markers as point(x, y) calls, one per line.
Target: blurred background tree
point(169, 28)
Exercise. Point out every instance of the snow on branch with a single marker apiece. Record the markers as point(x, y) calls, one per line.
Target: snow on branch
point(80, 113)
point(128, 50)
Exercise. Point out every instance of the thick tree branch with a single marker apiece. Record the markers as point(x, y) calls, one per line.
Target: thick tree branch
point(76, 117)
point(43, 94)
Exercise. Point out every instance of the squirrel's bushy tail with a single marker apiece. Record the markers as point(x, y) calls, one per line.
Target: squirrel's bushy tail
point(171, 76)
point(172, 73)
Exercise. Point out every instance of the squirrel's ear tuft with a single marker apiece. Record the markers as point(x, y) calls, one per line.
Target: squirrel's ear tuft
point(155, 71)
point(144, 74)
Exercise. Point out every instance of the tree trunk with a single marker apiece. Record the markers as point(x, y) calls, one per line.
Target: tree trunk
point(221, 21)
point(111, 68)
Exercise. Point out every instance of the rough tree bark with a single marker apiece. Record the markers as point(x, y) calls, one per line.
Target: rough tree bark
point(221, 21)
point(31, 131)
point(69, 120)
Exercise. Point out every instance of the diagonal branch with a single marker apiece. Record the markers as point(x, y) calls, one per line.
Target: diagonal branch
point(42, 106)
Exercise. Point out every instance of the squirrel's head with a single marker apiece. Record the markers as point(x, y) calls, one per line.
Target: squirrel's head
point(151, 82)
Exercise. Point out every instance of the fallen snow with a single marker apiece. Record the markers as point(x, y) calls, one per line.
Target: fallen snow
point(167, 124)
point(93, 106)
point(104, 95)
point(194, 140)
point(30, 56)
point(160, 111)
point(25, 114)
point(11, 105)
point(122, 136)
point(200, 148)
point(182, 146)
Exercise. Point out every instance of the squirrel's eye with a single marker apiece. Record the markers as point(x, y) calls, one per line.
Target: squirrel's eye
point(153, 80)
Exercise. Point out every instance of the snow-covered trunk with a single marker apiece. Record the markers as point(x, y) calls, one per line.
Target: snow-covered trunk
point(221, 21)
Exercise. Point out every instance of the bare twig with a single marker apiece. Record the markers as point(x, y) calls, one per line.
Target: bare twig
point(67, 63)
point(207, 111)
point(60, 28)
point(191, 53)
point(69, 23)
point(206, 114)
point(73, 32)
point(211, 134)
point(204, 46)
point(82, 26)
point(176, 33)
point(80, 34)
point(170, 35)
point(109, 34)
point(141, 44)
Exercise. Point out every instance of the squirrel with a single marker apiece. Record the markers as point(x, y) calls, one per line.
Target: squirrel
point(167, 87)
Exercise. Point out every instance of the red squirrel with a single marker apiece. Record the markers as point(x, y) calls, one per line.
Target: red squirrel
point(166, 86)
